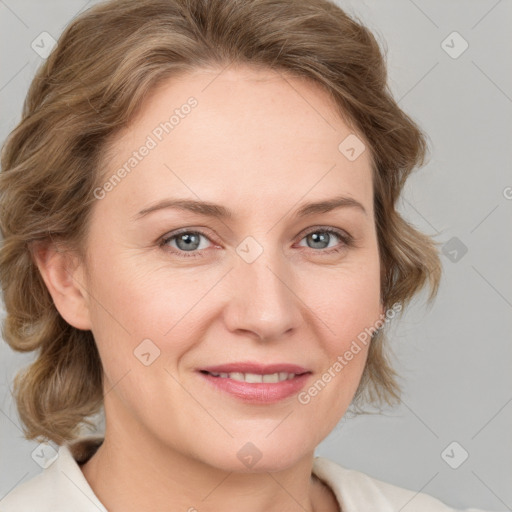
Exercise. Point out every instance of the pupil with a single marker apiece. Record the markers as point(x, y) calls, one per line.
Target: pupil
point(320, 239)
point(188, 239)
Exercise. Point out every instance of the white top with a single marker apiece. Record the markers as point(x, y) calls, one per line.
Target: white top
point(62, 484)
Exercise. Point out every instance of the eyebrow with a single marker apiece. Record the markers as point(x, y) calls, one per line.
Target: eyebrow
point(217, 211)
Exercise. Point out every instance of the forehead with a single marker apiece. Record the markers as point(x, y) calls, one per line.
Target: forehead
point(252, 135)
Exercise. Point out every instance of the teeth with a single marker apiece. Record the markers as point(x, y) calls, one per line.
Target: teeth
point(255, 378)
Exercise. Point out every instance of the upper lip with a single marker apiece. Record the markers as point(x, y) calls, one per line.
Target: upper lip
point(257, 368)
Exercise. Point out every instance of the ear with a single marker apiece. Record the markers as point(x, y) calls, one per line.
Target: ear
point(63, 275)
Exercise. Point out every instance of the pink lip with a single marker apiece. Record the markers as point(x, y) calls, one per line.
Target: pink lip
point(262, 393)
point(259, 369)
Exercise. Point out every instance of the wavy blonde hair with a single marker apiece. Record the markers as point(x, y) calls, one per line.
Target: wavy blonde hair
point(94, 82)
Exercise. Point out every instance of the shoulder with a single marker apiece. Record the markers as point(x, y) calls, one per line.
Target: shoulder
point(34, 495)
point(356, 491)
point(60, 484)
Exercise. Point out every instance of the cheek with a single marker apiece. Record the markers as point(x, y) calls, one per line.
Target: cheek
point(138, 298)
point(346, 301)
point(349, 308)
point(133, 303)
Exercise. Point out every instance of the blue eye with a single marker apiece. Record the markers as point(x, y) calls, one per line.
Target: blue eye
point(187, 243)
point(326, 235)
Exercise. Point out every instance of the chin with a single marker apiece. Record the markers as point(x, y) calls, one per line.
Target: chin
point(260, 456)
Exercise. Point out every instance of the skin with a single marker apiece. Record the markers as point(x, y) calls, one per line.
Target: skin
point(262, 146)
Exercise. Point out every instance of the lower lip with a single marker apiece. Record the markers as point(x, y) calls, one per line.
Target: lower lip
point(265, 392)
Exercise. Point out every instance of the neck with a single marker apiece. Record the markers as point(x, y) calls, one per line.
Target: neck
point(138, 474)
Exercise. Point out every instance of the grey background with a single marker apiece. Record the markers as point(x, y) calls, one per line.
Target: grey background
point(455, 357)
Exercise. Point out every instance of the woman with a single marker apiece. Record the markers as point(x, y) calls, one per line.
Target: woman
point(201, 240)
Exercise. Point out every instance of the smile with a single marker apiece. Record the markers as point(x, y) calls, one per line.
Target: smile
point(256, 388)
point(255, 378)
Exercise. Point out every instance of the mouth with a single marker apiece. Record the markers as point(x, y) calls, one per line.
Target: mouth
point(254, 378)
point(257, 383)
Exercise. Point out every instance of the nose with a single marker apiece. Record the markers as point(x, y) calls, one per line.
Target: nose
point(264, 298)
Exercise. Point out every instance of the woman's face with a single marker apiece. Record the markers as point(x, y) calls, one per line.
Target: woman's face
point(172, 291)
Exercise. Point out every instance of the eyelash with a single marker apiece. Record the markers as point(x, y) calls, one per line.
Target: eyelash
point(346, 238)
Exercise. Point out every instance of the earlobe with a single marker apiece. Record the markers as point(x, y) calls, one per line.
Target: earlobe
point(63, 276)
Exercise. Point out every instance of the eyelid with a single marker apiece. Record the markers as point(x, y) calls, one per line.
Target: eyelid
point(203, 231)
point(174, 234)
point(346, 238)
point(329, 229)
